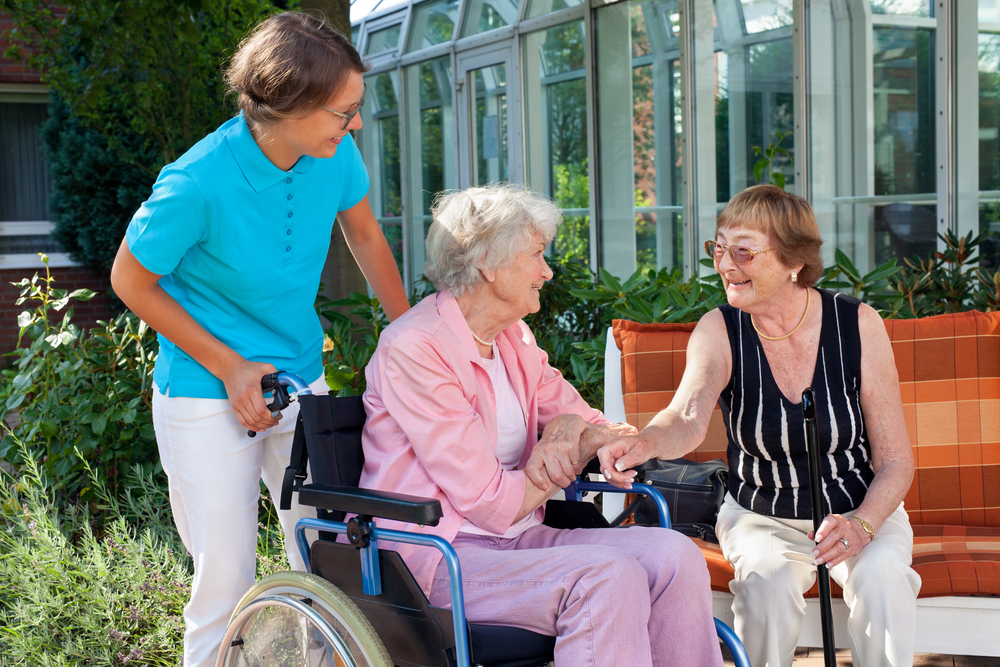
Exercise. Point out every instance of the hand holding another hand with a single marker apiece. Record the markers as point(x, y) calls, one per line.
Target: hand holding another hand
point(622, 453)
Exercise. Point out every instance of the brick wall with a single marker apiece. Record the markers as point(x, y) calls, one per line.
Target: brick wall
point(12, 71)
point(86, 313)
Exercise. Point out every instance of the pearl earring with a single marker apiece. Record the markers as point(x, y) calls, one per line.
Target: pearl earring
point(795, 276)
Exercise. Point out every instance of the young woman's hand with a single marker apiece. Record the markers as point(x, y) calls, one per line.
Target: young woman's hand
point(242, 379)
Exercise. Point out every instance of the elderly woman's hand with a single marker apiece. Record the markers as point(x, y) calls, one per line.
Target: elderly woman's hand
point(558, 456)
point(837, 539)
point(567, 444)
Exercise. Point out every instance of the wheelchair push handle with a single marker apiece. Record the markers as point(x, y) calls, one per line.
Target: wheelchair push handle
point(277, 385)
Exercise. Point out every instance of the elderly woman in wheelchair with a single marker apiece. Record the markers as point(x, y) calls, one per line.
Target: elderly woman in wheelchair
point(458, 392)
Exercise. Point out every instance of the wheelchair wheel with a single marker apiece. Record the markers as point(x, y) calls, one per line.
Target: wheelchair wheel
point(295, 619)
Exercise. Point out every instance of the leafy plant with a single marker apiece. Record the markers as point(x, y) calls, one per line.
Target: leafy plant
point(765, 164)
point(71, 596)
point(948, 281)
point(71, 390)
point(135, 84)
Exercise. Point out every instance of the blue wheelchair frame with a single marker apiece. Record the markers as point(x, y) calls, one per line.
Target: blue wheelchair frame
point(370, 562)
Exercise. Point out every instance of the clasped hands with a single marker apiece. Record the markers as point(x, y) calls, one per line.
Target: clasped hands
point(567, 444)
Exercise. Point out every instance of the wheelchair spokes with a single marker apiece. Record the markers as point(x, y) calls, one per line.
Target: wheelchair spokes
point(293, 619)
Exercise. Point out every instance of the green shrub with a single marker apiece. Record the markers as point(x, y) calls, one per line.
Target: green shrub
point(73, 390)
point(94, 190)
point(70, 596)
point(136, 84)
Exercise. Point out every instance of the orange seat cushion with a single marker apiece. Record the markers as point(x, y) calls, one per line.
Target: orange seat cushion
point(951, 560)
point(949, 376)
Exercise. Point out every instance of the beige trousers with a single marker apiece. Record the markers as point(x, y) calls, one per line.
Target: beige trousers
point(774, 569)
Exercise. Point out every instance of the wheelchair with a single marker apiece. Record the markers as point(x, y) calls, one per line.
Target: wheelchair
point(357, 605)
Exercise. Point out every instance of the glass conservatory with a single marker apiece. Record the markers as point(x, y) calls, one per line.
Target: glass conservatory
point(641, 119)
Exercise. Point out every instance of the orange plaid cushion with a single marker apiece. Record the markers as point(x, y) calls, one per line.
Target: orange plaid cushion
point(949, 378)
point(951, 560)
point(949, 375)
point(957, 560)
point(653, 360)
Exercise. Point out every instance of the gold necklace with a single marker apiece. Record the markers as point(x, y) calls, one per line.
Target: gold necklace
point(481, 341)
point(804, 313)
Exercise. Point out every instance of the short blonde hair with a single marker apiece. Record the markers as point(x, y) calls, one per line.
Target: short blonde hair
point(288, 62)
point(483, 228)
point(787, 218)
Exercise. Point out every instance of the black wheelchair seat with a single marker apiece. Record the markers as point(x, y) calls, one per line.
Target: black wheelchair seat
point(415, 633)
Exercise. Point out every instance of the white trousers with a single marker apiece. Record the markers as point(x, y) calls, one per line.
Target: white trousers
point(214, 470)
point(774, 569)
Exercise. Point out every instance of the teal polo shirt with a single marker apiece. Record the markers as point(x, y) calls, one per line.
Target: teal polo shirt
point(241, 245)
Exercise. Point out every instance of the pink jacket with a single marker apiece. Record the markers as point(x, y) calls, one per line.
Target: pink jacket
point(431, 428)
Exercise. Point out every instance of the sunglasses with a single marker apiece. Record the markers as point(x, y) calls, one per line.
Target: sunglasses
point(348, 117)
point(740, 253)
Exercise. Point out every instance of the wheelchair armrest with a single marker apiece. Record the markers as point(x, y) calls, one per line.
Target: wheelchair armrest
point(368, 502)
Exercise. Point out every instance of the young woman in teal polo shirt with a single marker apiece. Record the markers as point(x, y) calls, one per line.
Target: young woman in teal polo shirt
point(224, 261)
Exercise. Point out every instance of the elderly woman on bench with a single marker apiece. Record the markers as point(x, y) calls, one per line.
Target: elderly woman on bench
point(458, 393)
point(754, 356)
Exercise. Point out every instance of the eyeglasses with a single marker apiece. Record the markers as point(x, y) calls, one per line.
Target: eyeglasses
point(740, 253)
point(348, 117)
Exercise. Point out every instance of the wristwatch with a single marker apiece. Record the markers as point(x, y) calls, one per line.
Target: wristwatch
point(867, 526)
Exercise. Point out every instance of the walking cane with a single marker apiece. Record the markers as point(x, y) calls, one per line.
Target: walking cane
point(826, 611)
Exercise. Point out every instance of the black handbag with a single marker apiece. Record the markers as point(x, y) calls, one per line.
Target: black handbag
point(694, 494)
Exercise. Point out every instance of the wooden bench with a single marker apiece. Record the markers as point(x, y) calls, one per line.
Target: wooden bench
point(949, 371)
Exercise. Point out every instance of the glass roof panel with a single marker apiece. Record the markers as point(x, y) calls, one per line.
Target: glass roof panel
point(902, 7)
point(486, 15)
point(383, 40)
point(362, 8)
point(432, 23)
point(763, 15)
point(540, 7)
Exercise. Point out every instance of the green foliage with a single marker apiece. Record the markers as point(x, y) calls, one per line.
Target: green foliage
point(350, 343)
point(70, 596)
point(73, 390)
point(146, 68)
point(578, 306)
point(94, 190)
point(946, 282)
point(765, 163)
point(135, 84)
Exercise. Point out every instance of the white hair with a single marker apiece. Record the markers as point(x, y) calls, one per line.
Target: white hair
point(483, 228)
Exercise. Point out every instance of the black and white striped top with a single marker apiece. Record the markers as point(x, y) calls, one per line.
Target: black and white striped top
point(768, 462)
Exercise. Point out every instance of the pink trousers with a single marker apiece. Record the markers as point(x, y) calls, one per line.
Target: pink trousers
point(615, 596)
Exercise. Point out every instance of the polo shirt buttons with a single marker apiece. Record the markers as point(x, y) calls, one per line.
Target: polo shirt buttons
point(290, 214)
point(288, 232)
point(288, 180)
point(288, 248)
point(289, 197)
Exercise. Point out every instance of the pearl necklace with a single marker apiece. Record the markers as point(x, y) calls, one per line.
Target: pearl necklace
point(480, 340)
point(804, 313)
